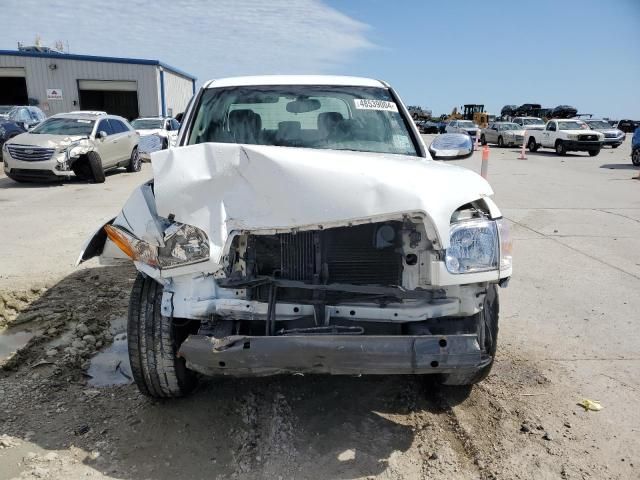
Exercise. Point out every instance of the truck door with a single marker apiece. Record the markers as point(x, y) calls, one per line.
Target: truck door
point(549, 135)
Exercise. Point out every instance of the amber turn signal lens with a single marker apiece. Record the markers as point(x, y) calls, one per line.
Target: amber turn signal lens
point(123, 243)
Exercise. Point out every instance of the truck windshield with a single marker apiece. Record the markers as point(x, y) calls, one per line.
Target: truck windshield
point(573, 125)
point(309, 116)
point(466, 124)
point(65, 126)
point(532, 121)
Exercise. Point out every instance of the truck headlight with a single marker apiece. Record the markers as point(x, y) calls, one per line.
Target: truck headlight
point(184, 245)
point(473, 247)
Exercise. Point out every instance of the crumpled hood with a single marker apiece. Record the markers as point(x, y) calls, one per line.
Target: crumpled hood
point(46, 141)
point(224, 187)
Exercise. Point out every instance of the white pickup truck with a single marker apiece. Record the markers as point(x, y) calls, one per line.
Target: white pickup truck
point(566, 136)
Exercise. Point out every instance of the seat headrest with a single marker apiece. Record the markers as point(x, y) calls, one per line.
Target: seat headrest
point(327, 122)
point(245, 125)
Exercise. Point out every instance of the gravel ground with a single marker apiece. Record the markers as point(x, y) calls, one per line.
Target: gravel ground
point(568, 332)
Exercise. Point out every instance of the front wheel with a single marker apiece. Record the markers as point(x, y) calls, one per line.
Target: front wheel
point(635, 157)
point(95, 167)
point(500, 141)
point(533, 146)
point(560, 148)
point(135, 164)
point(483, 139)
point(153, 342)
point(487, 321)
point(594, 153)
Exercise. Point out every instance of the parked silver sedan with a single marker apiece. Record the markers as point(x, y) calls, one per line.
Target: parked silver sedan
point(505, 134)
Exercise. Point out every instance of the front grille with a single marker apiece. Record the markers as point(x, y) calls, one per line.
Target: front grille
point(298, 255)
point(350, 255)
point(27, 153)
point(587, 137)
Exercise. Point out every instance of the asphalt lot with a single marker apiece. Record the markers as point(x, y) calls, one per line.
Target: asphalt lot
point(569, 327)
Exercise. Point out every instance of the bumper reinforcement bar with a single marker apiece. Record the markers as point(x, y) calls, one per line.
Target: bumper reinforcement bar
point(335, 354)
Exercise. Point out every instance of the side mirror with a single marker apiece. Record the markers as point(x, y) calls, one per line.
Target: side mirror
point(451, 146)
point(102, 135)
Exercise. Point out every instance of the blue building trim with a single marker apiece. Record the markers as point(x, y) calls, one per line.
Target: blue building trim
point(95, 58)
point(162, 99)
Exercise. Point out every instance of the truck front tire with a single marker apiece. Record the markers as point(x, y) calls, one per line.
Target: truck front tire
point(594, 153)
point(560, 148)
point(533, 146)
point(153, 342)
point(488, 337)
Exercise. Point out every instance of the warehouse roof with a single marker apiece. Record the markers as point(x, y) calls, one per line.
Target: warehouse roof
point(95, 58)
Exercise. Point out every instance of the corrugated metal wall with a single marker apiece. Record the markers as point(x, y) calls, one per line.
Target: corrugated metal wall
point(178, 90)
point(67, 73)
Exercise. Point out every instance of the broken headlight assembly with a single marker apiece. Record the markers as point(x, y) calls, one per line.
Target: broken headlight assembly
point(478, 246)
point(183, 245)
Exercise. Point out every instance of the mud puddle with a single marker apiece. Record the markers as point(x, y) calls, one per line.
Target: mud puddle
point(111, 365)
point(13, 340)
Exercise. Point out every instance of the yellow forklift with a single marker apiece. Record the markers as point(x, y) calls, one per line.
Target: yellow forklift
point(476, 113)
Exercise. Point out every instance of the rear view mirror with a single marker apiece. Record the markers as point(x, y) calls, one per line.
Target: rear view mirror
point(102, 134)
point(303, 105)
point(451, 146)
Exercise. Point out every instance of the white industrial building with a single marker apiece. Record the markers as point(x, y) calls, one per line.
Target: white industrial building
point(62, 82)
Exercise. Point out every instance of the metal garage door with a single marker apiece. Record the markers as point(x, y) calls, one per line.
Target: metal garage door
point(13, 86)
point(118, 97)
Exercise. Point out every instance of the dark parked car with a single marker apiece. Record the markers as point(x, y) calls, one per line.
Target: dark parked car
point(564, 111)
point(508, 111)
point(527, 110)
point(4, 111)
point(429, 127)
point(15, 120)
point(635, 148)
point(627, 126)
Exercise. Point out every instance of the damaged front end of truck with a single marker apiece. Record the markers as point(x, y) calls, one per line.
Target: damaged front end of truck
point(265, 261)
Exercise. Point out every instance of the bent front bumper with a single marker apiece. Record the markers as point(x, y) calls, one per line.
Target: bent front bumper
point(582, 145)
point(41, 169)
point(333, 354)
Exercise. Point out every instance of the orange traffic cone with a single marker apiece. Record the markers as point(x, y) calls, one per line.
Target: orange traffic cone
point(523, 156)
point(485, 161)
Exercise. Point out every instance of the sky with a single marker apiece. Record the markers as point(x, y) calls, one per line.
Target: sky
point(436, 54)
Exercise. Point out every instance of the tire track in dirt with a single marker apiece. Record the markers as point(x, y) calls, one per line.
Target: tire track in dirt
point(265, 442)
